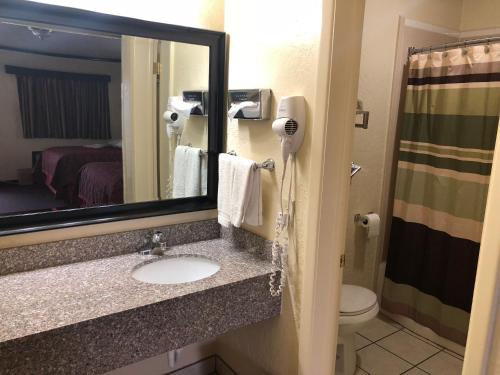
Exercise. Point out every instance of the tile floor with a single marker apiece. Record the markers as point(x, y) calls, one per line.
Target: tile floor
point(386, 348)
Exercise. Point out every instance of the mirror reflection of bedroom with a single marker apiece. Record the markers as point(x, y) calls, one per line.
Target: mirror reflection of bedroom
point(66, 140)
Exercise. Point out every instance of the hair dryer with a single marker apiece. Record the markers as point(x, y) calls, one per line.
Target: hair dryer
point(170, 117)
point(174, 122)
point(290, 123)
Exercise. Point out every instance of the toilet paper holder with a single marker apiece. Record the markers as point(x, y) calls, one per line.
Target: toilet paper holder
point(261, 104)
point(370, 222)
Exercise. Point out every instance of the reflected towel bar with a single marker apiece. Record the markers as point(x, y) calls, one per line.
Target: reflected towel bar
point(202, 152)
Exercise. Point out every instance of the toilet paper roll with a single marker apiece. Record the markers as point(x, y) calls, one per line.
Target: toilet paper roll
point(372, 224)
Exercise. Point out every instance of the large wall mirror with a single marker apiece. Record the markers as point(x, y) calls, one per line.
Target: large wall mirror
point(105, 118)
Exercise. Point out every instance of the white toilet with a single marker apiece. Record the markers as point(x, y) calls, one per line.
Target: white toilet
point(358, 306)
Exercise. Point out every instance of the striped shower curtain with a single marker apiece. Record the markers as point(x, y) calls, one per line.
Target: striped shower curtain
point(447, 140)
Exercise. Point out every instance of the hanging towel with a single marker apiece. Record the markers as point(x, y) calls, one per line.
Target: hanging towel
point(226, 176)
point(253, 203)
point(239, 195)
point(203, 176)
point(187, 172)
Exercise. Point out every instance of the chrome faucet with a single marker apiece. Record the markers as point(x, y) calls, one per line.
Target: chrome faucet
point(157, 245)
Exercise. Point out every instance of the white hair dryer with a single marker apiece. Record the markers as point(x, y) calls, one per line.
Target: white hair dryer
point(176, 115)
point(290, 124)
point(170, 117)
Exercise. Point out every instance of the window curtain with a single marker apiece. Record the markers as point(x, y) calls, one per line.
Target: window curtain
point(447, 140)
point(62, 105)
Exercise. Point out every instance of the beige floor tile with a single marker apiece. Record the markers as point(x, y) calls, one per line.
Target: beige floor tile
point(377, 361)
point(408, 347)
point(453, 354)
point(415, 371)
point(422, 338)
point(360, 372)
point(390, 321)
point(206, 366)
point(360, 342)
point(222, 367)
point(376, 329)
point(442, 364)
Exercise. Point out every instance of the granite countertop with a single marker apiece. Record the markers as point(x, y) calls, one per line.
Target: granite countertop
point(41, 300)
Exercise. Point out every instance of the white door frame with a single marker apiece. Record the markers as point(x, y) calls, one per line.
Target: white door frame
point(336, 96)
point(485, 304)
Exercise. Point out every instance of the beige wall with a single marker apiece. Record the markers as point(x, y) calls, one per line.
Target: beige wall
point(165, 144)
point(480, 14)
point(277, 49)
point(206, 14)
point(13, 147)
point(190, 72)
point(380, 33)
point(139, 120)
point(185, 67)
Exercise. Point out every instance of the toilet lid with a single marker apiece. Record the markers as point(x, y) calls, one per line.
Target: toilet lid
point(356, 299)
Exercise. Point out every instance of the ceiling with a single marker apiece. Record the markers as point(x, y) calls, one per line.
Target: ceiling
point(60, 42)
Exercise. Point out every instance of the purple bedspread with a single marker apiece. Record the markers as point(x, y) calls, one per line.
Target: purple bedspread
point(60, 165)
point(100, 184)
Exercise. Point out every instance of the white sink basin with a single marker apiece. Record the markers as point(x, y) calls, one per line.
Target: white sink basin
point(176, 270)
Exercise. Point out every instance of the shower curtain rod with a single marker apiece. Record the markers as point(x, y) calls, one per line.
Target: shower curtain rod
point(463, 43)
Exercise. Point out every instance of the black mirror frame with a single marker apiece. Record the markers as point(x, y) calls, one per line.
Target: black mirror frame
point(98, 22)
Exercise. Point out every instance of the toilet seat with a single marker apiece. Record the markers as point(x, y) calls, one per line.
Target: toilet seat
point(352, 320)
point(357, 305)
point(356, 301)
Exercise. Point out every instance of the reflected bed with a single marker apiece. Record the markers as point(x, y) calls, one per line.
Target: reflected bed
point(100, 184)
point(61, 166)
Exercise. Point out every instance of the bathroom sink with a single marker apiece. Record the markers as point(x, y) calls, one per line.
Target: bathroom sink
point(176, 270)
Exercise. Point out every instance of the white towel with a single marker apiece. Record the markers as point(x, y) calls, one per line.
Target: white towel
point(204, 168)
point(226, 176)
point(253, 204)
point(239, 195)
point(187, 172)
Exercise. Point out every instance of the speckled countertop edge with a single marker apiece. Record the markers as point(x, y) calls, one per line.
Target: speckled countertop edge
point(51, 254)
point(46, 299)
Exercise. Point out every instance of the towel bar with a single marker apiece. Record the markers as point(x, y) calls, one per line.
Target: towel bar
point(202, 152)
point(268, 164)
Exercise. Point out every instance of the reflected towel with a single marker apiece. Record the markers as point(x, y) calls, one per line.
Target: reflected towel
point(187, 172)
point(204, 169)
